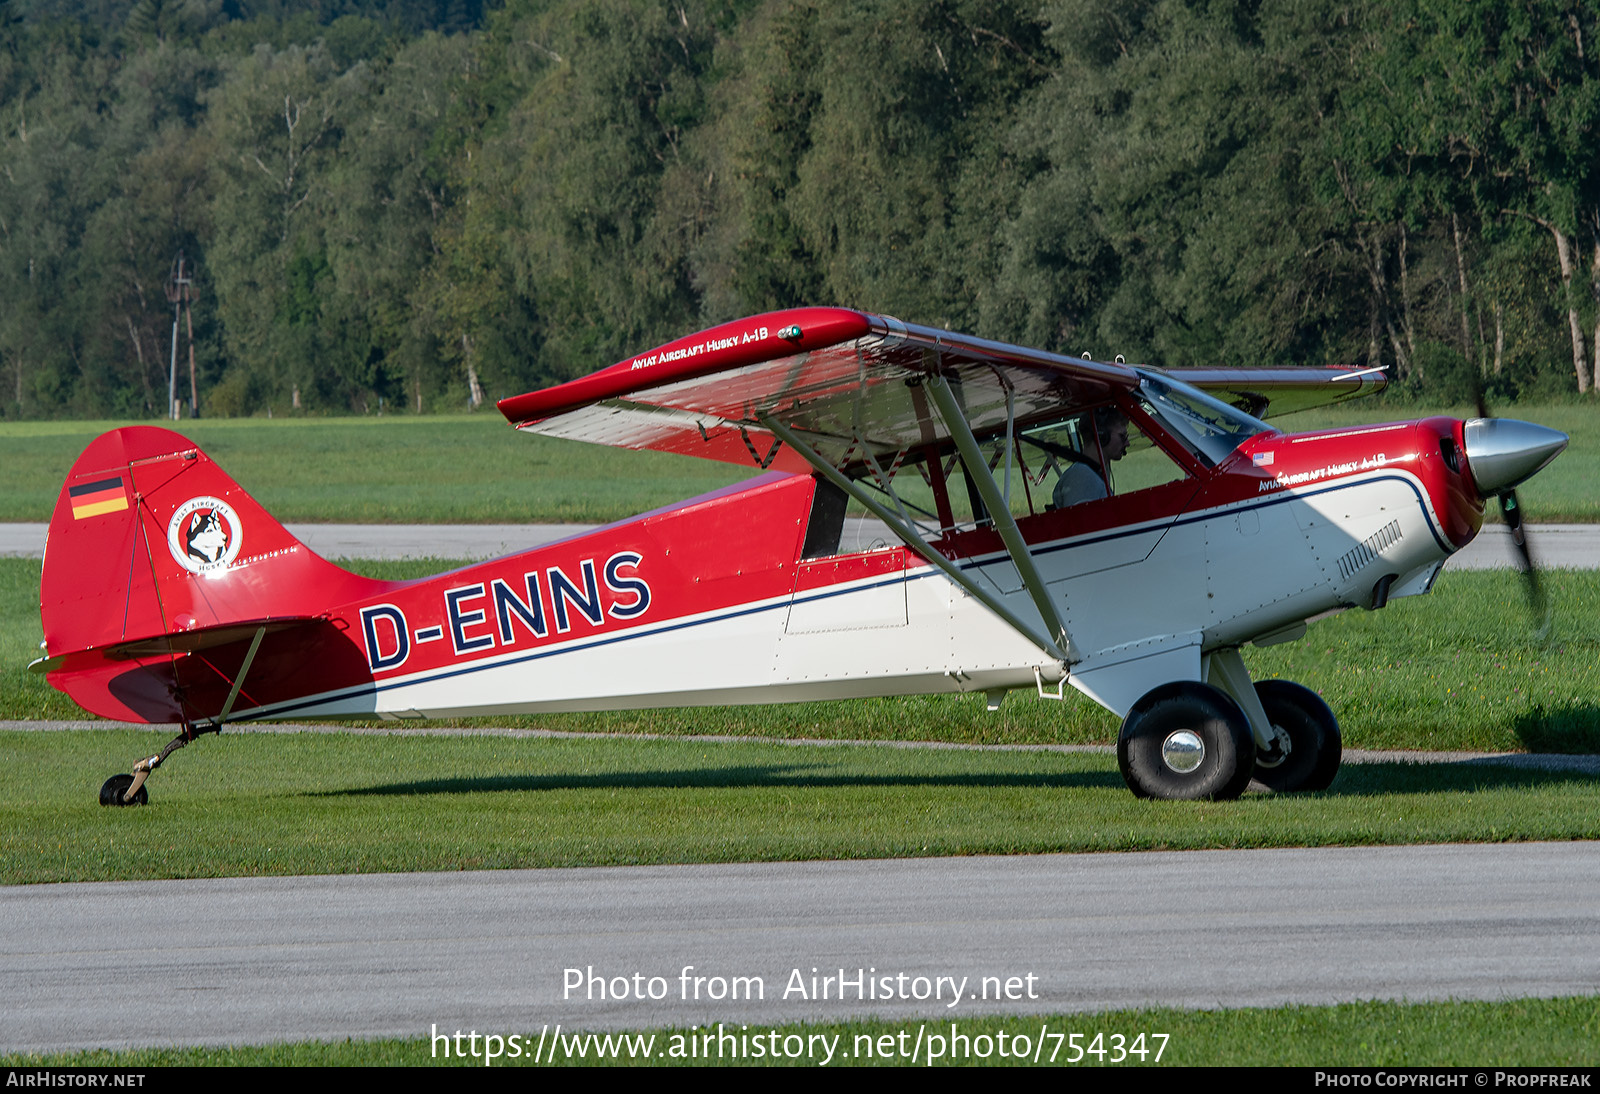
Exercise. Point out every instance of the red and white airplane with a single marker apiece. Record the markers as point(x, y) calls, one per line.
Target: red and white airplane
point(1026, 520)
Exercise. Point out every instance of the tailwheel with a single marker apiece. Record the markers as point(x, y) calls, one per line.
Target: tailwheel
point(1307, 751)
point(115, 790)
point(1186, 740)
point(129, 789)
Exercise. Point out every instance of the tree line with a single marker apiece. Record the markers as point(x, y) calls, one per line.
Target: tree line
point(423, 205)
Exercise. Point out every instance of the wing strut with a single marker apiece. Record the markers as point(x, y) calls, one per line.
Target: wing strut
point(238, 681)
point(999, 511)
point(907, 532)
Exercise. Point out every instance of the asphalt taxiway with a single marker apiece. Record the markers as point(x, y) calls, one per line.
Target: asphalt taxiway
point(258, 960)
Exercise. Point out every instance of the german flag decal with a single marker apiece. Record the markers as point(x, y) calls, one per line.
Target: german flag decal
point(91, 499)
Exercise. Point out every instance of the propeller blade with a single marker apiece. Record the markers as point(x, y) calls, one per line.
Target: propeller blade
point(1511, 509)
point(1502, 453)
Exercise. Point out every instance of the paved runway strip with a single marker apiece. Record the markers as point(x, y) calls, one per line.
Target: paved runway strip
point(256, 960)
point(1562, 546)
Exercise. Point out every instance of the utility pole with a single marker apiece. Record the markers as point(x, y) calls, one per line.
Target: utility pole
point(180, 292)
point(188, 326)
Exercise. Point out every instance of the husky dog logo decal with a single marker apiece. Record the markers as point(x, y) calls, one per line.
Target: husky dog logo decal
point(204, 535)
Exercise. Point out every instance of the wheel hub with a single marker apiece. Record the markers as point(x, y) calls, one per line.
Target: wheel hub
point(1183, 751)
point(1279, 752)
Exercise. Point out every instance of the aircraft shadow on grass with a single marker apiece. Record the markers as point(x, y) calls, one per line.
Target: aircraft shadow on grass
point(724, 778)
point(1571, 728)
point(1357, 780)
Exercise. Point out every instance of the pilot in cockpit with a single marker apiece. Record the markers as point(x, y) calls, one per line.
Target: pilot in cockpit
point(1084, 478)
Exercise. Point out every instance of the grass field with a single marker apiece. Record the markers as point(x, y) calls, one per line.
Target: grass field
point(476, 469)
point(1459, 669)
point(255, 804)
point(1455, 669)
point(1520, 1033)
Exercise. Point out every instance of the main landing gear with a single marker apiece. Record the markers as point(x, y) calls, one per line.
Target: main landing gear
point(1188, 740)
point(129, 789)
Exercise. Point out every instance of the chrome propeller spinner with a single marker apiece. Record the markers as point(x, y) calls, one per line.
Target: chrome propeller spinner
point(1503, 452)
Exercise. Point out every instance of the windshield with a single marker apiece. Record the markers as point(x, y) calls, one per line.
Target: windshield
point(1209, 426)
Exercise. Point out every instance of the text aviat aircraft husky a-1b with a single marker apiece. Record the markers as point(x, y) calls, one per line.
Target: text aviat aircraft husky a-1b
point(1042, 520)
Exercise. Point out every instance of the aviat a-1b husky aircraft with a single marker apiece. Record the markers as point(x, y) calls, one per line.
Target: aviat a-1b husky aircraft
point(1027, 520)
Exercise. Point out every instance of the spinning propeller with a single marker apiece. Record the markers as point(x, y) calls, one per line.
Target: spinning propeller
point(1502, 452)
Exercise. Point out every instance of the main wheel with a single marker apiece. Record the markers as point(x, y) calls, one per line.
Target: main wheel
point(115, 787)
point(1312, 758)
point(1186, 740)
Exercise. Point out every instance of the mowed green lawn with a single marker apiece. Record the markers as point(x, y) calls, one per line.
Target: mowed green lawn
point(1458, 669)
point(255, 804)
point(465, 469)
point(476, 469)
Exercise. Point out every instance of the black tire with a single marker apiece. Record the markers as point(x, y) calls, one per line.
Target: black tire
point(1315, 747)
point(115, 787)
point(1220, 753)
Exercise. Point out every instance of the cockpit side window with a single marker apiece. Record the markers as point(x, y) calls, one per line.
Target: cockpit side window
point(1085, 456)
point(1208, 427)
point(825, 527)
point(1097, 454)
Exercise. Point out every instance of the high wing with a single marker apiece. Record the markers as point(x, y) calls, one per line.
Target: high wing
point(847, 382)
point(840, 393)
point(850, 395)
point(850, 383)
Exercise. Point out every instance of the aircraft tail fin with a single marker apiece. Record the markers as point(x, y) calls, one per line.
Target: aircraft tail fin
point(155, 555)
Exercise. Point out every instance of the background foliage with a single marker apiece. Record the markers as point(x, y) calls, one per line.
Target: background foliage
point(422, 204)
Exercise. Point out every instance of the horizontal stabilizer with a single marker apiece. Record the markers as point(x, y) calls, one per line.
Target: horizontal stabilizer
point(163, 645)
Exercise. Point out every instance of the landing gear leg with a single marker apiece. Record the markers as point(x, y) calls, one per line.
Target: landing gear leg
point(1296, 735)
point(129, 789)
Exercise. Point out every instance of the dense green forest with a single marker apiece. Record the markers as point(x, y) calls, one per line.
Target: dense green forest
point(423, 204)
